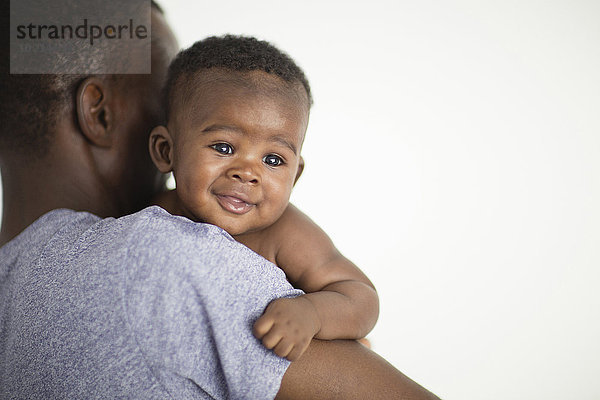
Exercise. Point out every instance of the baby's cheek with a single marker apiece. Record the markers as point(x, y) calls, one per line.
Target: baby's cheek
point(191, 192)
point(276, 210)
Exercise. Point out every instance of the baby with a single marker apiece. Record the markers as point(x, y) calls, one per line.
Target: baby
point(237, 111)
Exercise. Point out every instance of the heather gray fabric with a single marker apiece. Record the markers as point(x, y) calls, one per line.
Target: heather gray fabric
point(148, 306)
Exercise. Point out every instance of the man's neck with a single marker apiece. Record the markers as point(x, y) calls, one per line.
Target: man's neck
point(29, 193)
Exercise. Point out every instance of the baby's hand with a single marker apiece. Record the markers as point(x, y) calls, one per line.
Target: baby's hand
point(287, 326)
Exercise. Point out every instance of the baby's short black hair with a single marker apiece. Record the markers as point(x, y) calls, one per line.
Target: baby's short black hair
point(234, 53)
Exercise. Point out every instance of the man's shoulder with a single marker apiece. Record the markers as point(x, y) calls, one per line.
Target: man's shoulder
point(171, 298)
point(154, 233)
point(161, 225)
point(157, 240)
point(200, 289)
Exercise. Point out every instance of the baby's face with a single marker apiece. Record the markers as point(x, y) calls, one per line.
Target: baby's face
point(236, 152)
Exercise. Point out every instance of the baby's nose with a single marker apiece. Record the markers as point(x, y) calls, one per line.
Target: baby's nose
point(244, 174)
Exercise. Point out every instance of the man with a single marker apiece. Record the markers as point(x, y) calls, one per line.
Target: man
point(102, 308)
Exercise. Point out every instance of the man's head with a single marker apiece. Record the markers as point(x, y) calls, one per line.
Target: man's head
point(237, 111)
point(91, 129)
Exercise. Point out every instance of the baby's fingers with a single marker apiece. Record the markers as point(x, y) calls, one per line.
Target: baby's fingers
point(272, 338)
point(284, 348)
point(262, 326)
point(296, 352)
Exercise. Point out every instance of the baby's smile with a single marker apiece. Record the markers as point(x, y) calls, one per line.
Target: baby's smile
point(235, 202)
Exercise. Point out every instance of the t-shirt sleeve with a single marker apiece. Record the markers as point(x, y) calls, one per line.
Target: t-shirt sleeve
point(192, 297)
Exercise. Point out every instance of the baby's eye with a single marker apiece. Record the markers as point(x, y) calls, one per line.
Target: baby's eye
point(272, 160)
point(222, 148)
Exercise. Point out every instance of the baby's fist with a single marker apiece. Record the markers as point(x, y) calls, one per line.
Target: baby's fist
point(287, 326)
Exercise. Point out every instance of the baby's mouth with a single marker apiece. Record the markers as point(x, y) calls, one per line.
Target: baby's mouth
point(234, 204)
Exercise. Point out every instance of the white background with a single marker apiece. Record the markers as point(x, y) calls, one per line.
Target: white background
point(453, 154)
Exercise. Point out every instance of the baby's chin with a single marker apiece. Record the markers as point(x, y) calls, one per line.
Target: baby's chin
point(240, 225)
point(235, 230)
point(232, 225)
point(241, 228)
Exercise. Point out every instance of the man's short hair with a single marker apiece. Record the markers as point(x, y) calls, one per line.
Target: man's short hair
point(31, 103)
point(233, 53)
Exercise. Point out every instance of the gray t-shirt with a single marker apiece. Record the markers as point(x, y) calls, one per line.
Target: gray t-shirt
point(148, 306)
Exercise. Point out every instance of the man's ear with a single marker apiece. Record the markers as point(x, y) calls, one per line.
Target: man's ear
point(93, 111)
point(300, 169)
point(161, 149)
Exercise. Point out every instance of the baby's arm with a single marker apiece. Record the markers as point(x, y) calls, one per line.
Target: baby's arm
point(341, 302)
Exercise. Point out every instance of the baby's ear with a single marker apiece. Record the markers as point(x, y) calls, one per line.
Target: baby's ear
point(300, 169)
point(161, 149)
